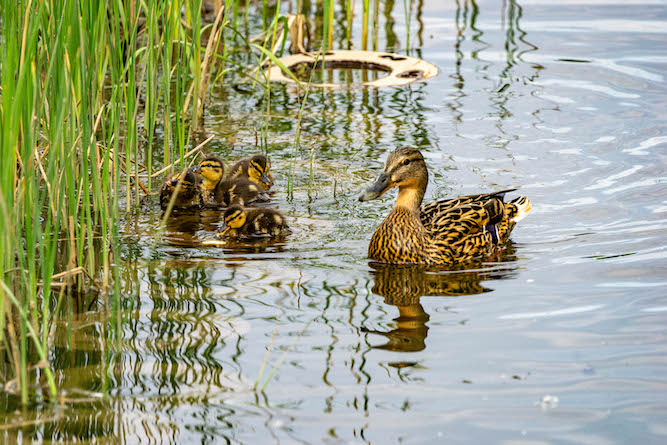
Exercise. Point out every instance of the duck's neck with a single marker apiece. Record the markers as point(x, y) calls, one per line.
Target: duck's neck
point(409, 198)
point(210, 184)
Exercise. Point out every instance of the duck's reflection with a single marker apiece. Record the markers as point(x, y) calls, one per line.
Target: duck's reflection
point(403, 286)
point(197, 228)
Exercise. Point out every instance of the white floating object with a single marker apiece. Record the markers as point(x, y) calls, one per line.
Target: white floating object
point(549, 402)
point(400, 69)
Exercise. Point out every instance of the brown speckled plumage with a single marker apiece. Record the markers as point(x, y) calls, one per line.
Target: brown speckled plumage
point(217, 192)
point(256, 222)
point(444, 232)
point(255, 168)
point(238, 191)
point(187, 194)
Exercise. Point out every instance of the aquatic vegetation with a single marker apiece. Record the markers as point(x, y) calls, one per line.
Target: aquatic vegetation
point(170, 349)
point(99, 101)
point(102, 105)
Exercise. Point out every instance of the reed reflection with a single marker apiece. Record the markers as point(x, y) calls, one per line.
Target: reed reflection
point(516, 71)
point(404, 285)
point(510, 76)
point(197, 228)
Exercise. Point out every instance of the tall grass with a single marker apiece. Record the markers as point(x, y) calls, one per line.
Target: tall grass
point(85, 88)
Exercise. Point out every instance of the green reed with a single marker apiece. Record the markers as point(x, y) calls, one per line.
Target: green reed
point(407, 6)
point(85, 87)
point(328, 24)
point(349, 15)
point(84, 84)
point(50, 172)
point(364, 24)
point(376, 24)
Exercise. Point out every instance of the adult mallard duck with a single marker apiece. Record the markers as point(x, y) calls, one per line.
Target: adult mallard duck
point(445, 232)
point(214, 191)
point(255, 168)
point(256, 222)
point(188, 194)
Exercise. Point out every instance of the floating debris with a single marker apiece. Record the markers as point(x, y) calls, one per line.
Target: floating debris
point(548, 402)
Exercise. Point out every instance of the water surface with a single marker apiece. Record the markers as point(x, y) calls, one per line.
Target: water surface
point(558, 339)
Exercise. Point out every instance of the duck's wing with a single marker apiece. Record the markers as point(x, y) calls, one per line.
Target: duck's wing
point(432, 211)
point(467, 231)
point(239, 191)
point(238, 170)
point(167, 190)
point(165, 194)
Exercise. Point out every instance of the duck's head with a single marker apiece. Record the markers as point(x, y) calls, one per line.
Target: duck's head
point(234, 218)
point(258, 170)
point(211, 170)
point(187, 178)
point(405, 168)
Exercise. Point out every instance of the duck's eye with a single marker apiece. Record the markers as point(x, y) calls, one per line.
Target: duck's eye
point(406, 161)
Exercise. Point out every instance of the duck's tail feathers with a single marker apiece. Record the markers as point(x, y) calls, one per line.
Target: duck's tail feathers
point(501, 194)
point(523, 206)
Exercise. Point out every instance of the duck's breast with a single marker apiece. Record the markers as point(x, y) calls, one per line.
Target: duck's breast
point(399, 239)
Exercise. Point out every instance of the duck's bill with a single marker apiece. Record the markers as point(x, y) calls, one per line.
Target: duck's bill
point(381, 185)
point(224, 232)
point(179, 178)
point(265, 180)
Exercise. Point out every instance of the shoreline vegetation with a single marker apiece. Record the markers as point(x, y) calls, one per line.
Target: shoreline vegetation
point(100, 100)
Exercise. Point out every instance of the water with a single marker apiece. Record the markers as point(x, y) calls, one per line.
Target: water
point(336, 75)
point(559, 339)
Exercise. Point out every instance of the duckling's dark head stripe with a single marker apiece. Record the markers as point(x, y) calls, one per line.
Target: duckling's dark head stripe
point(256, 166)
point(260, 160)
point(212, 162)
point(230, 217)
point(233, 212)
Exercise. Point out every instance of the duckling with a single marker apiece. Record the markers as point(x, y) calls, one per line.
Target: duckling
point(187, 194)
point(255, 168)
point(256, 222)
point(216, 192)
point(445, 232)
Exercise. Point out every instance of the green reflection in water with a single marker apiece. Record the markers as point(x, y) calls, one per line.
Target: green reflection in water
point(188, 340)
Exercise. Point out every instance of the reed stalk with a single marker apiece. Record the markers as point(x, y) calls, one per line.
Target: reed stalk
point(376, 24)
point(85, 89)
point(364, 24)
point(407, 6)
point(84, 85)
point(349, 15)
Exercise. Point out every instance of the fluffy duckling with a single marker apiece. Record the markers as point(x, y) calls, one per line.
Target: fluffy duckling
point(256, 222)
point(188, 194)
point(214, 191)
point(445, 232)
point(255, 168)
